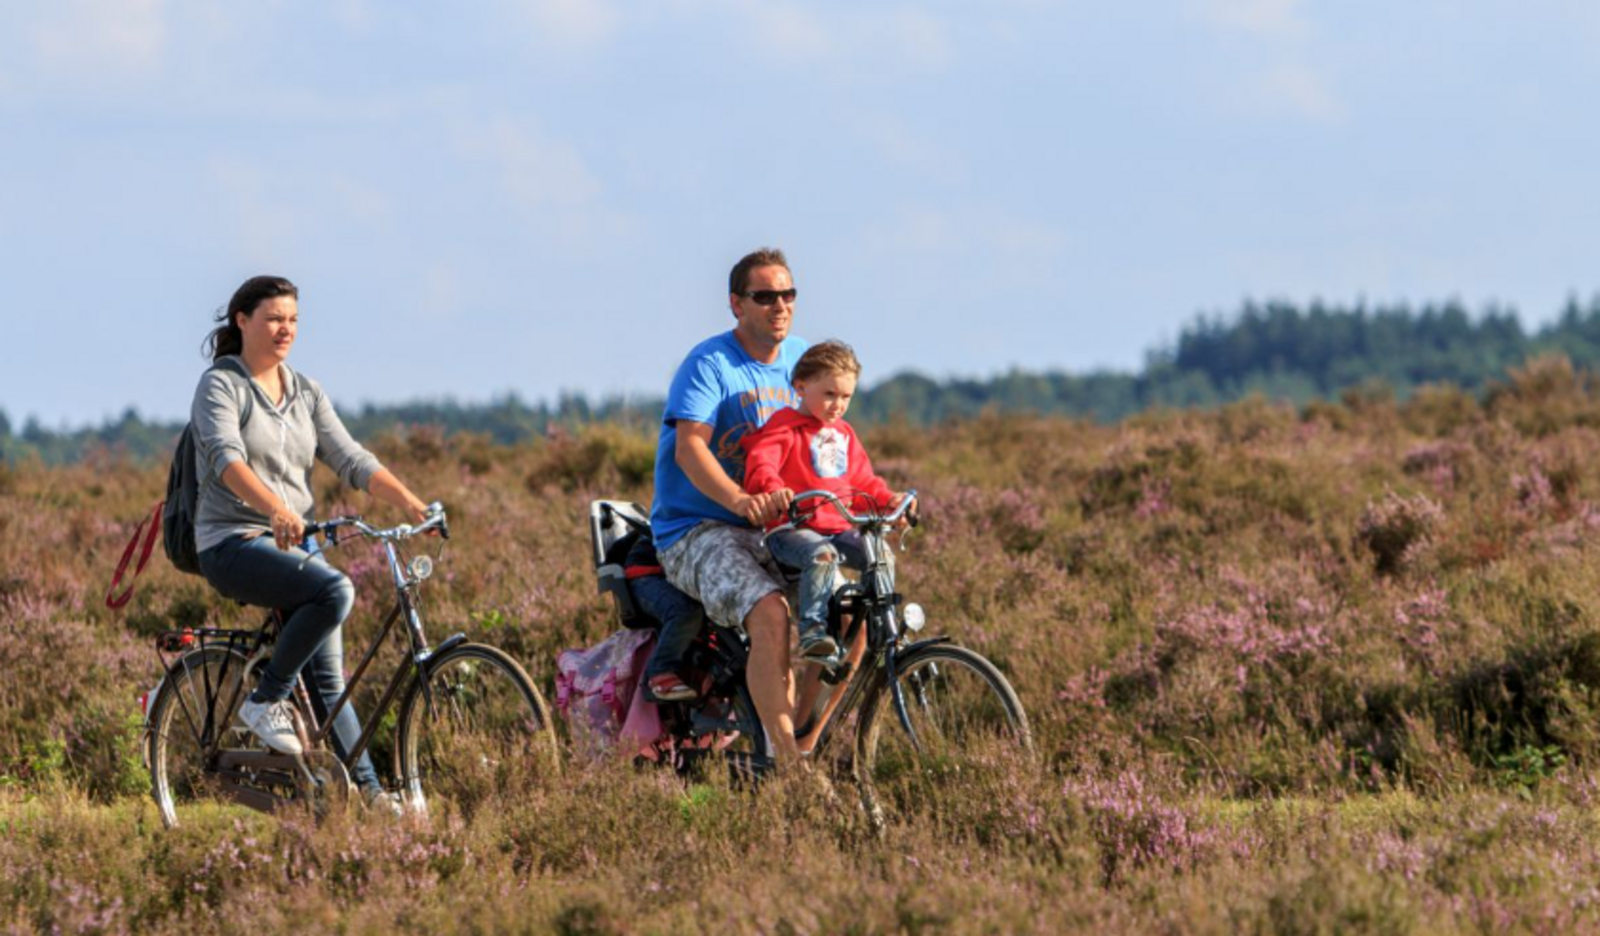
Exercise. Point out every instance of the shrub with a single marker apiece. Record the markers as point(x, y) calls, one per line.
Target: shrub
point(1398, 530)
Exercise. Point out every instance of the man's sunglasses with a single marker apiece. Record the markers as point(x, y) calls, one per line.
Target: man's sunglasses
point(768, 297)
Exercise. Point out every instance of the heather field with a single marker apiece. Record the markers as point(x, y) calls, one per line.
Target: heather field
point(1333, 669)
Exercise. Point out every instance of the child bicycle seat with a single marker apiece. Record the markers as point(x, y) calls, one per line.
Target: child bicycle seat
point(613, 527)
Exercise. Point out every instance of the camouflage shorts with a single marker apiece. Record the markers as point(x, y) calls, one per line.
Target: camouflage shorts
point(725, 568)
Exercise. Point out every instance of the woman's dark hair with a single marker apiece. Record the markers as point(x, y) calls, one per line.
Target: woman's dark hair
point(226, 339)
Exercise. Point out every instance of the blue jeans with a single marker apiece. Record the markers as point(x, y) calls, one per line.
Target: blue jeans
point(680, 616)
point(817, 558)
point(315, 598)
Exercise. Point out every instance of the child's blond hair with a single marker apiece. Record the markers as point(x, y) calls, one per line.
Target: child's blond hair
point(828, 357)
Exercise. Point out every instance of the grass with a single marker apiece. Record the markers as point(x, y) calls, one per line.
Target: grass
point(1327, 670)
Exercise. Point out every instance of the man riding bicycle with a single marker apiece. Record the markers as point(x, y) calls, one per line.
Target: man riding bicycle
point(707, 528)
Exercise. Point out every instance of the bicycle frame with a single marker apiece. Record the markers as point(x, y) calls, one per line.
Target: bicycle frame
point(252, 644)
point(872, 605)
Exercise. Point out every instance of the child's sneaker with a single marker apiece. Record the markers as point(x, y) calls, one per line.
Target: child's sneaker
point(815, 644)
point(667, 687)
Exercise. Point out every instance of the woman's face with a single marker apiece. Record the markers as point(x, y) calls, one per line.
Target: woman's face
point(269, 330)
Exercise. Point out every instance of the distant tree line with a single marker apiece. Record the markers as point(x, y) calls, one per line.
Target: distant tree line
point(1276, 349)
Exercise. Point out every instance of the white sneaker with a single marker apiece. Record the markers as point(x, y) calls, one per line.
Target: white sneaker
point(273, 723)
point(383, 801)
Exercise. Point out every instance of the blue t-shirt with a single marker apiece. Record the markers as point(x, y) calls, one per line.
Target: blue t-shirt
point(722, 386)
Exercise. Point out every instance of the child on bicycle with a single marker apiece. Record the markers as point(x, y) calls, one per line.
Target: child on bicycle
point(812, 448)
point(679, 615)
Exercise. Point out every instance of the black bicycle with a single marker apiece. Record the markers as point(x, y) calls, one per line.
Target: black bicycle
point(470, 724)
point(928, 715)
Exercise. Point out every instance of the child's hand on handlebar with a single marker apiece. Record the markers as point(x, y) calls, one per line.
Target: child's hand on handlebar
point(910, 515)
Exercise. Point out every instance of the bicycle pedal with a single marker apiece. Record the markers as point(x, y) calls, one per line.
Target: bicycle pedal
point(836, 672)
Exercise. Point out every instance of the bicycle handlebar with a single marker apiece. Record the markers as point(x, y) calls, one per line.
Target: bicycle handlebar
point(436, 521)
point(850, 518)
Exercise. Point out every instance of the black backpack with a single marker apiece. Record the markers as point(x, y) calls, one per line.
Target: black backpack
point(183, 486)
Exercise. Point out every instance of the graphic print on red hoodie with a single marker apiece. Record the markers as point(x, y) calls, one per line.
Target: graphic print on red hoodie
point(795, 450)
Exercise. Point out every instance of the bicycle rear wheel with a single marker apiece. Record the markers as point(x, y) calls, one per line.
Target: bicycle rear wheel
point(195, 715)
point(476, 729)
point(968, 729)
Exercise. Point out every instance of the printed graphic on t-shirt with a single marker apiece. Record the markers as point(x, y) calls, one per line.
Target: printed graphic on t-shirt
point(730, 453)
point(830, 453)
point(764, 401)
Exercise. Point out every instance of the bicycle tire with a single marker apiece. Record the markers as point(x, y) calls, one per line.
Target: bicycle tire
point(179, 752)
point(480, 732)
point(970, 728)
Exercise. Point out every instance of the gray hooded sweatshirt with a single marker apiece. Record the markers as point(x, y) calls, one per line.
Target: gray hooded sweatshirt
point(279, 443)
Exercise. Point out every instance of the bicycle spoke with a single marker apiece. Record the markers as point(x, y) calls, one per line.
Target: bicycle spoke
point(476, 732)
point(968, 729)
point(193, 715)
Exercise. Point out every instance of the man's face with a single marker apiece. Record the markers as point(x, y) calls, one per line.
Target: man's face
point(765, 325)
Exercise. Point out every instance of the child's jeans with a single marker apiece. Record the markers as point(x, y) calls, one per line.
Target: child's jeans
point(681, 618)
point(817, 557)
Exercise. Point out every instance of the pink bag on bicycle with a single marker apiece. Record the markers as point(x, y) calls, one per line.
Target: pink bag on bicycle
point(597, 689)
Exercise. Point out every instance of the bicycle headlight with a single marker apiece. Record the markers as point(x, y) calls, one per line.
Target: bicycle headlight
point(913, 617)
point(421, 567)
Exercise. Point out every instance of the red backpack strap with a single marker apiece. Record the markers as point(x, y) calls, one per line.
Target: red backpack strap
point(113, 600)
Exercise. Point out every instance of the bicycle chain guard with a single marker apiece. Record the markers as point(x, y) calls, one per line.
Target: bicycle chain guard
point(323, 782)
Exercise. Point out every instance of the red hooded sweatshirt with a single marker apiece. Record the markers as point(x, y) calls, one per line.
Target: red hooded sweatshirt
point(795, 450)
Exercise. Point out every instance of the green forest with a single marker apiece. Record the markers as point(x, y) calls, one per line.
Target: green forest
point(1277, 350)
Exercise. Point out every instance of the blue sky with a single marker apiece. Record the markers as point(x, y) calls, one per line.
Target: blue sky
point(546, 195)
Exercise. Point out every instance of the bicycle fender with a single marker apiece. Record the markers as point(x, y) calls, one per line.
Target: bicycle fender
point(445, 646)
point(914, 647)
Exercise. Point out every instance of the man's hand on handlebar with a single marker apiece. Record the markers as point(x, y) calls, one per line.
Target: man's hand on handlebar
point(760, 509)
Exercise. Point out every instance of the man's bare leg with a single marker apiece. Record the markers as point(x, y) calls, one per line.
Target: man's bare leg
point(768, 675)
point(811, 681)
point(810, 687)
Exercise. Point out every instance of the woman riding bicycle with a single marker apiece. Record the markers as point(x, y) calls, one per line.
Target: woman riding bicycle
point(258, 426)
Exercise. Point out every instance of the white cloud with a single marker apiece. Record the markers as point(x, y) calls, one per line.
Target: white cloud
point(561, 24)
point(442, 292)
point(1302, 90)
point(357, 16)
point(101, 38)
point(838, 37)
point(905, 149)
point(932, 232)
point(362, 201)
point(1278, 20)
point(1281, 38)
point(253, 209)
point(920, 229)
point(535, 171)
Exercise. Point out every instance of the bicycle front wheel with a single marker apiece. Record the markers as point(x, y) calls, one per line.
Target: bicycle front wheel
point(966, 727)
point(194, 716)
point(472, 729)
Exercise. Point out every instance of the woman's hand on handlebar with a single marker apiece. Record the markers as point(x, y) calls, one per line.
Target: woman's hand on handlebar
point(288, 527)
point(416, 511)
